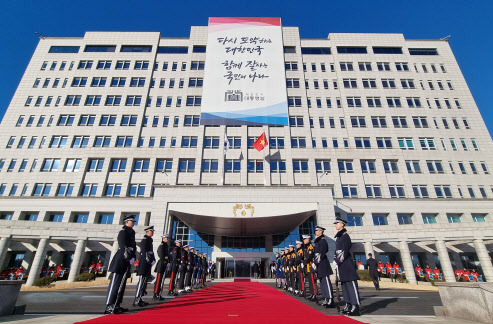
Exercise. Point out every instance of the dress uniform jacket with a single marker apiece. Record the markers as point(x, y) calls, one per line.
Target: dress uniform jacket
point(299, 259)
point(175, 258)
point(146, 256)
point(347, 272)
point(190, 261)
point(323, 266)
point(126, 251)
point(372, 267)
point(309, 254)
point(279, 270)
point(184, 259)
point(163, 254)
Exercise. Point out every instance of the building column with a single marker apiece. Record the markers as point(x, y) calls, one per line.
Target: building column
point(484, 259)
point(369, 249)
point(218, 268)
point(4, 247)
point(407, 262)
point(268, 243)
point(448, 271)
point(114, 249)
point(37, 262)
point(77, 261)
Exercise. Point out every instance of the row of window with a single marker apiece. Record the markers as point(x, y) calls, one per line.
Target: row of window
point(138, 190)
point(409, 218)
point(122, 65)
point(111, 100)
point(128, 49)
point(211, 165)
point(57, 217)
point(135, 82)
point(360, 50)
point(366, 67)
point(370, 83)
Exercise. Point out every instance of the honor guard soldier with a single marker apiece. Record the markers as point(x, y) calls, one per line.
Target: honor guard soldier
point(291, 272)
point(309, 255)
point(175, 264)
point(280, 270)
point(162, 264)
point(195, 273)
point(182, 269)
point(190, 267)
point(146, 261)
point(120, 266)
point(323, 268)
point(204, 270)
point(347, 273)
point(286, 268)
point(300, 280)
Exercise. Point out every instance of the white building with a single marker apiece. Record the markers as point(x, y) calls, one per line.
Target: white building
point(383, 131)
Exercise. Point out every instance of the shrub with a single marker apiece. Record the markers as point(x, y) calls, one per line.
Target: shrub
point(44, 282)
point(435, 280)
point(402, 280)
point(364, 275)
point(85, 277)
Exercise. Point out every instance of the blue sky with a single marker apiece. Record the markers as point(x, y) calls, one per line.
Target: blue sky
point(468, 22)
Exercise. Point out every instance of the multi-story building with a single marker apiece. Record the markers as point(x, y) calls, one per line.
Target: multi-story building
point(383, 131)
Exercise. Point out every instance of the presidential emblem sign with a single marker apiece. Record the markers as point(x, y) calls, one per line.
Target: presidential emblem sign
point(244, 78)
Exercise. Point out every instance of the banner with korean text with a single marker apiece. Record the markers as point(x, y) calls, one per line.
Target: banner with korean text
point(244, 80)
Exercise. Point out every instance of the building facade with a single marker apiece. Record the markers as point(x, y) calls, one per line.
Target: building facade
point(383, 132)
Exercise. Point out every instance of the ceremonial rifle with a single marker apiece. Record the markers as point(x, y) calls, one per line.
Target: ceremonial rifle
point(338, 295)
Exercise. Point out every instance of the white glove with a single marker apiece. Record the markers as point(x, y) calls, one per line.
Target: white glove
point(302, 265)
point(314, 266)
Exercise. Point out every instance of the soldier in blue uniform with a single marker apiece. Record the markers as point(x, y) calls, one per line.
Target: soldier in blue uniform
point(323, 268)
point(146, 261)
point(347, 272)
point(162, 264)
point(120, 266)
point(279, 276)
point(195, 269)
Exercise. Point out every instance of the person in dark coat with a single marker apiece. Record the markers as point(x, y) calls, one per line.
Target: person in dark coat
point(347, 272)
point(300, 279)
point(162, 264)
point(182, 269)
point(204, 270)
point(190, 267)
point(373, 270)
point(175, 265)
point(256, 270)
point(324, 270)
point(146, 261)
point(120, 266)
point(196, 265)
point(309, 254)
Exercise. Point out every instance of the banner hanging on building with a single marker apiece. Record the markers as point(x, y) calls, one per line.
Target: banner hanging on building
point(244, 80)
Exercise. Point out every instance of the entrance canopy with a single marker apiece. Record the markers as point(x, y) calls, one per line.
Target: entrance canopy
point(243, 219)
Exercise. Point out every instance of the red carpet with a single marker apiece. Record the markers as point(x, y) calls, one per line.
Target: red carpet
point(242, 280)
point(232, 302)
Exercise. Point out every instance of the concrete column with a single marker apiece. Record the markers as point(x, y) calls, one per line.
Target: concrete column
point(448, 271)
point(369, 249)
point(268, 243)
point(37, 262)
point(114, 249)
point(4, 247)
point(407, 262)
point(484, 259)
point(77, 261)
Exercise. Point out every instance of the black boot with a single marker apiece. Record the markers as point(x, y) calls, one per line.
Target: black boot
point(119, 309)
point(330, 303)
point(110, 309)
point(346, 309)
point(354, 311)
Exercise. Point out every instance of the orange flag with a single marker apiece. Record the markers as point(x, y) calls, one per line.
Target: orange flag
point(261, 142)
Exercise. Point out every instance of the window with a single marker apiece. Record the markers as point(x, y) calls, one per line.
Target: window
point(401, 66)
point(380, 219)
point(133, 101)
point(209, 166)
point(103, 65)
point(196, 65)
point(50, 165)
point(373, 191)
point(485, 168)
point(300, 166)
point(423, 51)
point(384, 142)
point(345, 166)
point(358, 121)
point(194, 100)
point(292, 83)
point(191, 121)
point(420, 191)
point(420, 122)
point(189, 141)
point(413, 102)
point(137, 82)
point(294, 101)
point(364, 66)
point(322, 166)
point(211, 142)
point(72, 100)
point(85, 65)
point(429, 218)
point(291, 66)
point(390, 166)
point(87, 120)
point(164, 165)
point(118, 82)
point(405, 219)
point(387, 50)
point(255, 166)
point(58, 142)
point(383, 66)
point(362, 142)
point(72, 165)
point(454, 218)
point(295, 121)
point(276, 142)
point(277, 166)
point(123, 141)
point(80, 142)
point(443, 191)
point(95, 165)
point(298, 142)
point(89, 189)
point(378, 122)
point(350, 83)
point(311, 50)
point(346, 66)
point(407, 84)
point(374, 102)
point(397, 191)
point(427, 143)
point(369, 83)
point(413, 166)
point(349, 191)
point(128, 120)
point(368, 166)
point(41, 189)
point(107, 120)
point(435, 166)
point(122, 65)
point(394, 102)
point(65, 120)
point(141, 165)
point(388, 83)
point(186, 165)
point(141, 65)
point(195, 82)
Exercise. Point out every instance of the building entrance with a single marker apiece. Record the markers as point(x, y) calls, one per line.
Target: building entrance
point(243, 267)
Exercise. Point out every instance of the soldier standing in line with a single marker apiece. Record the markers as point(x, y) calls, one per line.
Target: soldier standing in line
point(309, 255)
point(195, 269)
point(279, 276)
point(300, 283)
point(286, 268)
point(175, 264)
point(190, 267)
point(120, 266)
point(204, 270)
point(146, 261)
point(163, 254)
point(182, 269)
point(347, 273)
point(323, 268)
point(291, 264)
